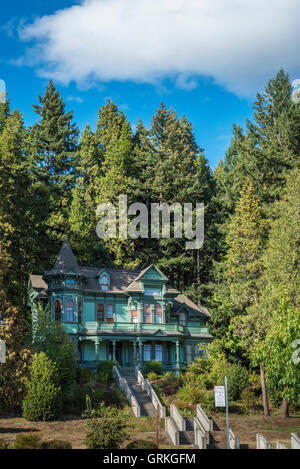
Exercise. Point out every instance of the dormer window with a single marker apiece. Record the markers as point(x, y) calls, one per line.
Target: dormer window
point(152, 291)
point(70, 281)
point(182, 319)
point(104, 282)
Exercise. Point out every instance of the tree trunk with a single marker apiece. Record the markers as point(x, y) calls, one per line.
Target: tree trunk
point(264, 392)
point(285, 409)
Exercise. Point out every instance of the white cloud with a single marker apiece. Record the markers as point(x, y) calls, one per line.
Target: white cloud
point(237, 43)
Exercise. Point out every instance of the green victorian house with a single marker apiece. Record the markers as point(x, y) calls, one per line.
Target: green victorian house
point(131, 316)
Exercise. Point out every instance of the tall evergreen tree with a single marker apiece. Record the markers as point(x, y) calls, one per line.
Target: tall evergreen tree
point(53, 148)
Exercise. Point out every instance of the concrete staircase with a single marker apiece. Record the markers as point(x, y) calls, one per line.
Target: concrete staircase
point(147, 408)
point(188, 436)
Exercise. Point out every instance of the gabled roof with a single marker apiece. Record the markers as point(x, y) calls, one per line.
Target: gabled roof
point(65, 262)
point(181, 300)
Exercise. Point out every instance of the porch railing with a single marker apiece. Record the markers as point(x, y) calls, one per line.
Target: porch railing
point(132, 327)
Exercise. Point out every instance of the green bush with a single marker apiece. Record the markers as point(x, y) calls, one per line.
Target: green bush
point(190, 393)
point(238, 380)
point(43, 400)
point(248, 399)
point(55, 444)
point(152, 376)
point(105, 371)
point(141, 444)
point(107, 427)
point(84, 375)
point(27, 441)
point(153, 366)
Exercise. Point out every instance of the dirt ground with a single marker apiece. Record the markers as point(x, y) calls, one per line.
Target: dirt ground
point(73, 429)
point(245, 427)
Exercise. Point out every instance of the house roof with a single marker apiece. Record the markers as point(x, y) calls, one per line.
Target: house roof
point(182, 300)
point(65, 262)
point(121, 280)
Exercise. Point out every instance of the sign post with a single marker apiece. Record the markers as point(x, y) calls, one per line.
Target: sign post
point(2, 351)
point(221, 400)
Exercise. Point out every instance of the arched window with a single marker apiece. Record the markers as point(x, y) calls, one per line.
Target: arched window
point(70, 311)
point(104, 282)
point(100, 312)
point(110, 313)
point(158, 313)
point(147, 313)
point(57, 310)
point(182, 319)
point(79, 311)
point(134, 315)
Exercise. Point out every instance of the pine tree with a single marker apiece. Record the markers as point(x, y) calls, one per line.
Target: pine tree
point(53, 148)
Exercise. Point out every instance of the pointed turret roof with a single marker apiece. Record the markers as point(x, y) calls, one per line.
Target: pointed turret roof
point(65, 262)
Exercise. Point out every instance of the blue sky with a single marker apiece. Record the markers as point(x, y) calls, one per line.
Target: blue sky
point(206, 59)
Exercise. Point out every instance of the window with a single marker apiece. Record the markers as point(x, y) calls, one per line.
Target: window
point(70, 282)
point(57, 310)
point(70, 311)
point(159, 352)
point(79, 311)
point(110, 313)
point(134, 315)
point(189, 353)
point(104, 282)
point(199, 351)
point(182, 319)
point(147, 313)
point(100, 312)
point(152, 291)
point(158, 313)
point(147, 352)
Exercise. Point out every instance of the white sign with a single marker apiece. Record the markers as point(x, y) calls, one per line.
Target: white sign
point(2, 351)
point(220, 396)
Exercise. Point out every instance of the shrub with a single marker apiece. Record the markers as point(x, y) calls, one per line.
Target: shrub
point(190, 393)
point(152, 376)
point(27, 441)
point(43, 400)
point(141, 444)
point(105, 371)
point(55, 444)
point(153, 366)
point(248, 399)
point(238, 380)
point(84, 375)
point(106, 427)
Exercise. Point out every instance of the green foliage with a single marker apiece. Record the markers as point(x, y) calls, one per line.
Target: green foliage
point(51, 338)
point(238, 380)
point(248, 399)
point(141, 444)
point(153, 366)
point(105, 370)
point(43, 399)
point(152, 376)
point(107, 427)
point(27, 441)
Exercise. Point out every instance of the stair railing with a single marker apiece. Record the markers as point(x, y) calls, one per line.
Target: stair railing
point(146, 386)
point(122, 383)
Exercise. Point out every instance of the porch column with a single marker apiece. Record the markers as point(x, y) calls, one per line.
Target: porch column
point(134, 351)
point(114, 350)
point(97, 342)
point(140, 357)
point(178, 353)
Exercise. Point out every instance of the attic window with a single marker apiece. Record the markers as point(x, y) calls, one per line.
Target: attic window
point(104, 282)
point(152, 291)
point(70, 282)
point(182, 319)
